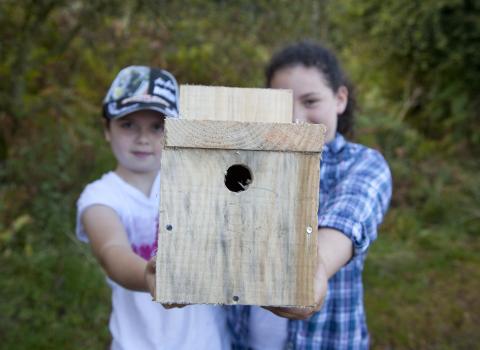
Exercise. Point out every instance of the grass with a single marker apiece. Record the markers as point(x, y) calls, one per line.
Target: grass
point(53, 298)
point(423, 294)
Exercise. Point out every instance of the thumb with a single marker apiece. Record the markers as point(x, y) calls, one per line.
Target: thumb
point(151, 264)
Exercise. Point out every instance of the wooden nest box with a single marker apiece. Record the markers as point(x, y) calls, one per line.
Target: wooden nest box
point(238, 200)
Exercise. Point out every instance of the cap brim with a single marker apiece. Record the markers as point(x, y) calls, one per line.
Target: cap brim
point(112, 112)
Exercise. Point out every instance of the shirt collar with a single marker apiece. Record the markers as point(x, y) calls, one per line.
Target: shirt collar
point(335, 146)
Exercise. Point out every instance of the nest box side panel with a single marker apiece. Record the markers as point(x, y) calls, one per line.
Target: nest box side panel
point(256, 246)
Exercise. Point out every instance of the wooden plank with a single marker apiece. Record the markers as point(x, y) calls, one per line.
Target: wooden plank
point(236, 104)
point(244, 136)
point(257, 246)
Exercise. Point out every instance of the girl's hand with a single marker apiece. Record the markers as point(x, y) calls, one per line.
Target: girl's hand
point(150, 271)
point(297, 313)
point(334, 251)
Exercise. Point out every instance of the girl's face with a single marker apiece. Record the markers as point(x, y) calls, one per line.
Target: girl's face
point(137, 141)
point(314, 101)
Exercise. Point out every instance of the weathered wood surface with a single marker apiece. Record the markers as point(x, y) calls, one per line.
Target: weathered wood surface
point(236, 104)
point(257, 246)
point(244, 136)
point(252, 247)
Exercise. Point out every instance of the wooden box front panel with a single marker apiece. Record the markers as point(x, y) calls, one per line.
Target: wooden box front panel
point(253, 247)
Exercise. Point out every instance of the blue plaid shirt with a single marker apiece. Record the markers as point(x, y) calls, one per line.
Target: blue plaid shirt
point(355, 191)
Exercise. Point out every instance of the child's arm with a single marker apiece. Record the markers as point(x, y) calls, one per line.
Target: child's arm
point(110, 246)
point(334, 251)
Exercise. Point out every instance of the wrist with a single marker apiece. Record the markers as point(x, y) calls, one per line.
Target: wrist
point(334, 250)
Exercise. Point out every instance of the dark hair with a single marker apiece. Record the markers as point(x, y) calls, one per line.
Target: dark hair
point(310, 54)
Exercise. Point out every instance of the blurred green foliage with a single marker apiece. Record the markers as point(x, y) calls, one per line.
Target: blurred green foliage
point(417, 70)
point(423, 58)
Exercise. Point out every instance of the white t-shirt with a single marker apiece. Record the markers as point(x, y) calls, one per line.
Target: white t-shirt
point(136, 322)
point(267, 331)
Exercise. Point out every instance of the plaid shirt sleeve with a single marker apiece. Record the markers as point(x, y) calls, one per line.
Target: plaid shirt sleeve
point(359, 199)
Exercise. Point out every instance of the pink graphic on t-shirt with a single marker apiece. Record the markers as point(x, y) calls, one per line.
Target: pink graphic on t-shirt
point(146, 251)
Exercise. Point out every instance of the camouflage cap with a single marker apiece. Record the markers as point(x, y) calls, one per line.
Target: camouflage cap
point(141, 88)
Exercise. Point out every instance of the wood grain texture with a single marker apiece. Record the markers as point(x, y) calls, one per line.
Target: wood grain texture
point(236, 104)
point(244, 136)
point(251, 247)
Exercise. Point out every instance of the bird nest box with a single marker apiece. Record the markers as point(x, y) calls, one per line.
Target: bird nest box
point(238, 200)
